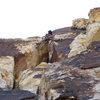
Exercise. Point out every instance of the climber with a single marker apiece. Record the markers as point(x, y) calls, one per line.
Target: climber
point(48, 36)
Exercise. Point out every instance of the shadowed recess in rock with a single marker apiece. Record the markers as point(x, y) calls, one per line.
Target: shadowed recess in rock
point(17, 95)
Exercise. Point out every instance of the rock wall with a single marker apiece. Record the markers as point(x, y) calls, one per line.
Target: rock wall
point(17, 55)
point(82, 41)
point(6, 72)
point(77, 75)
point(32, 55)
point(76, 78)
point(30, 78)
point(66, 67)
point(59, 47)
point(62, 82)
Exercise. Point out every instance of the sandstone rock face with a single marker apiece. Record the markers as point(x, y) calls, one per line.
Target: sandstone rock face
point(26, 53)
point(94, 15)
point(82, 41)
point(59, 47)
point(70, 68)
point(32, 55)
point(17, 55)
point(93, 32)
point(30, 79)
point(65, 83)
point(80, 23)
point(6, 72)
point(76, 78)
point(78, 45)
point(87, 59)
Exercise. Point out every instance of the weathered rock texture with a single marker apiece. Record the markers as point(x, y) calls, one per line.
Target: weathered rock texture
point(32, 55)
point(65, 83)
point(82, 41)
point(76, 78)
point(59, 47)
point(17, 55)
point(30, 79)
point(94, 15)
point(87, 59)
point(6, 72)
point(93, 32)
point(70, 68)
point(80, 23)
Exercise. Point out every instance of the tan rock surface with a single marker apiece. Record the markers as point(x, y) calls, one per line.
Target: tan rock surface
point(32, 55)
point(30, 79)
point(76, 78)
point(93, 32)
point(59, 47)
point(61, 78)
point(26, 53)
point(80, 23)
point(81, 42)
point(6, 72)
point(68, 83)
point(94, 15)
point(17, 55)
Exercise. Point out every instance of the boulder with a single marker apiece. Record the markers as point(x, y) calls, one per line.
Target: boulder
point(94, 15)
point(80, 23)
point(30, 79)
point(81, 42)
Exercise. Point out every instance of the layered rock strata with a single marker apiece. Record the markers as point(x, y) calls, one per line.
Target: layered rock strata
point(82, 41)
point(16, 55)
point(70, 68)
point(65, 83)
point(94, 15)
point(30, 79)
point(76, 78)
point(59, 47)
